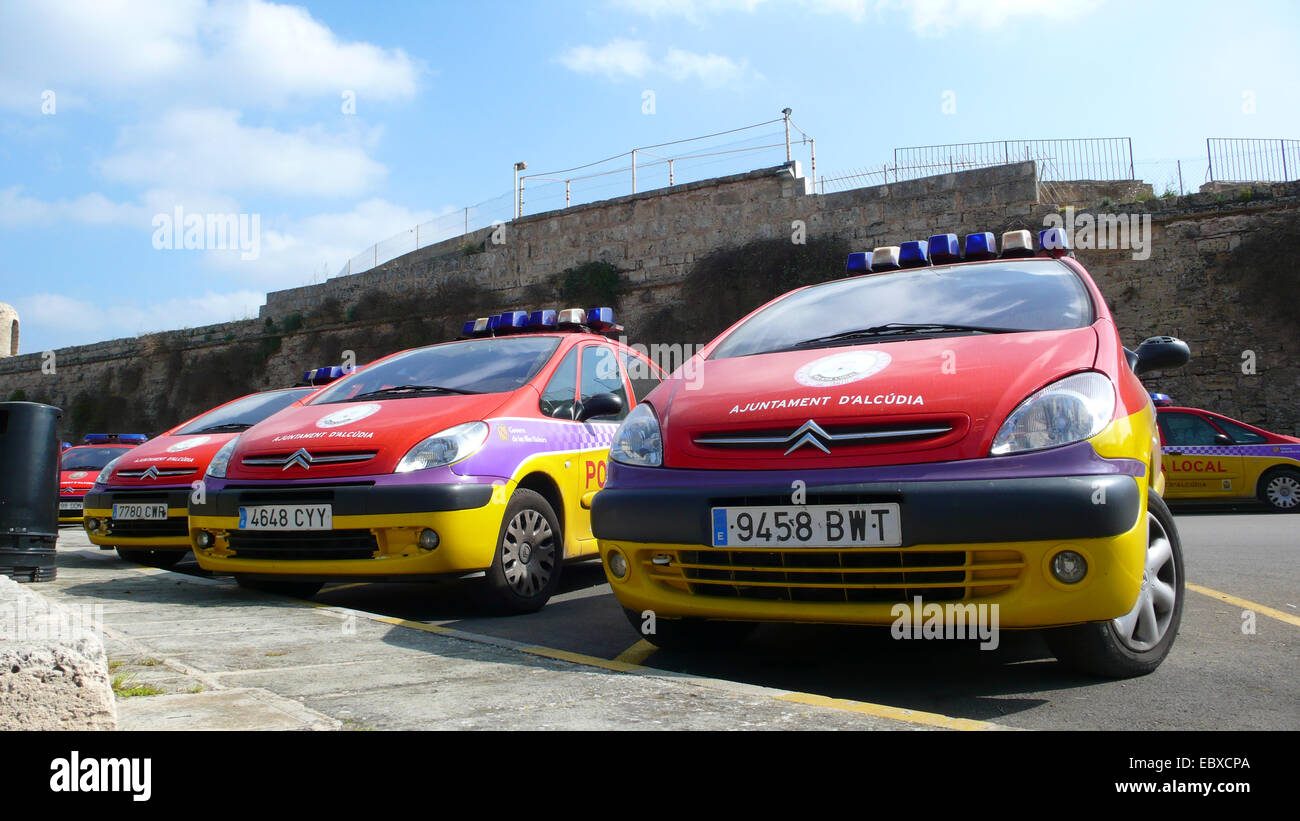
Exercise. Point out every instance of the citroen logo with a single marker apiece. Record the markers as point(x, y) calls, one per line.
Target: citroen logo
point(151, 473)
point(809, 433)
point(301, 458)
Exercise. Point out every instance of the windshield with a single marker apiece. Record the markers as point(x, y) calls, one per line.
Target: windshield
point(244, 413)
point(492, 365)
point(89, 458)
point(1028, 295)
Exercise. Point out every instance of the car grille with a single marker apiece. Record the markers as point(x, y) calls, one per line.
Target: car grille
point(141, 529)
point(833, 575)
point(303, 545)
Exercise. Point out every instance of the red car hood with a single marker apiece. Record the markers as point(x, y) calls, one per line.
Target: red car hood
point(965, 386)
point(177, 459)
point(78, 480)
point(376, 434)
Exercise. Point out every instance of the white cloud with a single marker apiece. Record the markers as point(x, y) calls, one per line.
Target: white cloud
point(18, 210)
point(66, 320)
point(711, 70)
point(211, 150)
point(617, 59)
point(925, 17)
point(629, 59)
point(144, 49)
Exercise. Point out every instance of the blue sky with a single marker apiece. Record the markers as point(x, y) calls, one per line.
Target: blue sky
point(238, 108)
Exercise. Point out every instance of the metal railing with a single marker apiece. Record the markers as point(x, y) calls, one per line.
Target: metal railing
point(1252, 160)
point(442, 227)
point(663, 165)
point(1091, 158)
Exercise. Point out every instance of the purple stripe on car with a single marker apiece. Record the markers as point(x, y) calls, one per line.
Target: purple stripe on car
point(1072, 460)
point(1289, 451)
point(510, 441)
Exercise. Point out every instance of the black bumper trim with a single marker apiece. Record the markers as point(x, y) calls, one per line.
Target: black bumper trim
point(350, 500)
point(174, 497)
point(963, 512)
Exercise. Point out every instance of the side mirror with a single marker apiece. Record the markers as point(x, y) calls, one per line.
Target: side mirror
point(1223, 439)
point(602, 404)
point(1161, 353)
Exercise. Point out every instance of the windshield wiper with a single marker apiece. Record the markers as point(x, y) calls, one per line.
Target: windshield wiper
point(411, 389)
point(226, 426)
point(898, 328)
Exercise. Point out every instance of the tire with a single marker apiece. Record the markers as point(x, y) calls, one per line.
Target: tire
point(691, 635)
point(1279, 488)
point(1136, 643)
point(164, 559)
point(529, 556)
point(294, 590)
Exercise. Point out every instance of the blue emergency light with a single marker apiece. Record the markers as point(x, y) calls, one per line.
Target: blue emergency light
point(981, 245)
point(116, 438)
point(325, 375)
point(1161, 400)
point(859, 262)
point(914, 254)
point(512, 321)
point(944, 248)
point(542, 319)
point(600, 319)
point(64, 446)
point(1054, 241)
point(467, 329)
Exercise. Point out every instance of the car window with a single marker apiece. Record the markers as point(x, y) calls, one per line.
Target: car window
point(559, 399)
point(89, 458)
point(246, 412)
point(488, 365)
point(601, 373)
point(1031, 295)
point(644, 375)
point(1241, 435)
point(1186, 429)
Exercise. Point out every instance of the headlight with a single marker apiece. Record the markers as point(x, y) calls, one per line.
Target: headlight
point(452, 445)
point(1068, 410)
point(637, 440)
point(107, 472)
point(217, 467)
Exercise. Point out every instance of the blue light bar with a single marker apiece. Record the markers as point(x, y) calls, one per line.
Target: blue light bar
point(64, 446)
point(1161, 400)
point(859, 261)
point(944, 248)
point(467, 329)
point(600, 319)
point(981, 246)
point(133, 438)
point(1054, 242)
point(108, 438)
point(542, 319)
point(494, 322)
point(914, 254)
point(512, 321)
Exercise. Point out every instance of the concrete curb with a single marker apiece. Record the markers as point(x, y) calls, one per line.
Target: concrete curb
point(53, 670)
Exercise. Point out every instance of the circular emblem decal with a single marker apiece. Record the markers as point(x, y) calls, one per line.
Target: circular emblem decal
point(81, 474)
point(186, 444)
point(347, 415)
point(841, 369)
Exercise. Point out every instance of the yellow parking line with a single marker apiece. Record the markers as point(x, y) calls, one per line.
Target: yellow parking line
point(885, 711)
point(344, 586)
point(637, 653)
point(1245, 604)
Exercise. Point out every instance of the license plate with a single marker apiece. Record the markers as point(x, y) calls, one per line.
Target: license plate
point(70, 505)
point(286, 517)
point(808, 526)
point(152, 513)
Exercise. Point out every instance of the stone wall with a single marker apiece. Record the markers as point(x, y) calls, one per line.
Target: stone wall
point(1196, 283)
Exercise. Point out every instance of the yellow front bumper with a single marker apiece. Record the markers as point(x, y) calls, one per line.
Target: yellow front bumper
point(1014, 575)
point(174, 514)
point(467, 543)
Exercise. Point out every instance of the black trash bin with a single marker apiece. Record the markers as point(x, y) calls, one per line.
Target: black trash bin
point(29, 490)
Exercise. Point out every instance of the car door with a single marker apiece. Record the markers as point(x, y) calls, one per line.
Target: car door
point(1196, 464)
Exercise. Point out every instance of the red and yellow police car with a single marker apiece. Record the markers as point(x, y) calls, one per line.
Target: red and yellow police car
point(472, 458)
point(79, 465)
point(137, 504)
point(1210, 457)
point(953, 428)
